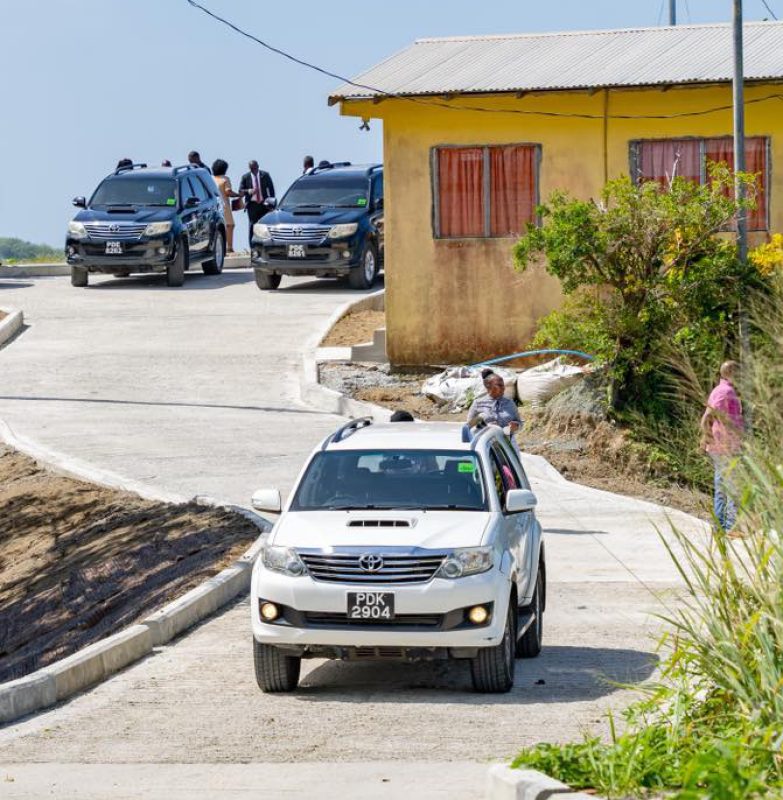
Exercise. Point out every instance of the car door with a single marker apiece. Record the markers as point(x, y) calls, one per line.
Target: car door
point(203, 215)
point(376, 217)
point(509, 523)
point(190, 219)
point(520, 525)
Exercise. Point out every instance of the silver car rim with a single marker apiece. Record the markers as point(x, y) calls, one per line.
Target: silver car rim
point(219, 252)
point(369, 266)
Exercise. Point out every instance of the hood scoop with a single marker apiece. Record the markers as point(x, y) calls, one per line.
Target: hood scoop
point(121, 210)
point(381, 523)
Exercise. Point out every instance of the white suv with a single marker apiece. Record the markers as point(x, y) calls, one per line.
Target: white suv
point(402, 541)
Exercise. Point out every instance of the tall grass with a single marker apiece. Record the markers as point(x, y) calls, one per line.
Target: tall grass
point(712, 724)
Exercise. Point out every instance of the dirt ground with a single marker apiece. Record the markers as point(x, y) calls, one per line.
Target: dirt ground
point(584, 449)
point(356, 328)
point(79, 561)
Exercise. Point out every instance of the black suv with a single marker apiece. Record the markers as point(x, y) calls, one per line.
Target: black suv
point(148, 220)
point(328, 224)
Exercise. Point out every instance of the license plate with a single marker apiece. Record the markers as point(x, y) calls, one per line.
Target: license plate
point(371, 605)
point(296, 251)
point(113, 248)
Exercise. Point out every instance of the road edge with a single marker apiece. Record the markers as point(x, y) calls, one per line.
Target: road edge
point(506, 783)
point(10, 324)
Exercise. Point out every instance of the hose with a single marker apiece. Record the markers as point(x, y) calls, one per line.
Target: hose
point(501, 359)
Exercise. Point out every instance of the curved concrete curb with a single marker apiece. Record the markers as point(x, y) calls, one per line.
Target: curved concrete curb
point(102, 659)
point(504, 783)
point(311, 392)
point(10, 324)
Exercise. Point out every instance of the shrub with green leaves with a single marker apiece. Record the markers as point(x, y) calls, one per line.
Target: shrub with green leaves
point(664, 274)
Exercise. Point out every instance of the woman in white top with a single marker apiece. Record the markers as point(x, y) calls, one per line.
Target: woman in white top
point(219, 169)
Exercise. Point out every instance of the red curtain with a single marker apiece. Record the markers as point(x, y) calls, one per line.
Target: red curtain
point(662, 159)
point(460, 191)
point(721, 150)
point(512, 188)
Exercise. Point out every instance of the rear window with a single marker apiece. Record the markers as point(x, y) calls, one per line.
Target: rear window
point(395, 479)
point(125, 191)
point(327, 190)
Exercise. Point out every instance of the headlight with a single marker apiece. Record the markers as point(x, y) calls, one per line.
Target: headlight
point(469, 561)
point(261, 231)
point(285, 560)
point(77, 230)
point(341, 231)
point(157, 228)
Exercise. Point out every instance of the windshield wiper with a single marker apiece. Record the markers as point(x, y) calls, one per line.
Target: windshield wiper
point(454, 507)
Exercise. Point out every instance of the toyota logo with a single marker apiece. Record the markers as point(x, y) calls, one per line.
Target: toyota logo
point(298, 230)
point(369, 562)
point(114, 227)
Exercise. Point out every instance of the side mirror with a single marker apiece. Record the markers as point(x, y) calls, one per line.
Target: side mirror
point(270, 202)
point(80, 202)
point(191, 202)
point(267, 500)
point(520, 500)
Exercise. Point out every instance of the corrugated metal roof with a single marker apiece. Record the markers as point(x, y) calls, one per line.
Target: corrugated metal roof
point(579, 60)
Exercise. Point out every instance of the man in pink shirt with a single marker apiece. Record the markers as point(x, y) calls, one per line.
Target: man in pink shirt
point(722, 427)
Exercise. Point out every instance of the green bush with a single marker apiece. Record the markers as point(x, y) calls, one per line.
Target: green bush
point(577, 325)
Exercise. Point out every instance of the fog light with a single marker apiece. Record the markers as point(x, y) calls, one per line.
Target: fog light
point(163, 250)
point(346, 253)
point(269, 612)
point(478, 615)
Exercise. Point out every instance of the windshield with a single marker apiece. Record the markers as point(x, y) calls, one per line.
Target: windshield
point(324, 190)
point(417, 479)
point(121, 191)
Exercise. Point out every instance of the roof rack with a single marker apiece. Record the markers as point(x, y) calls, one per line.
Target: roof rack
point(331, 165)
point(184, 167)
point(347, 430)
point(129, 167)
point(376, 167)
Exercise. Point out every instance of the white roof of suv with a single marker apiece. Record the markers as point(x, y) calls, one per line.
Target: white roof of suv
point(396, 435)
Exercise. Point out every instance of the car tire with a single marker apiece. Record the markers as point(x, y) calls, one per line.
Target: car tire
point(79, 276)
point(529, 644)
point(265, 280)
point(215, 264)
point(175, 271)
point(275, 671)
point(492, 669)
point(363, 276)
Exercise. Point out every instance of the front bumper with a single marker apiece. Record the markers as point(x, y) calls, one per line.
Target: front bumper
point(307, 602)
point(140, 255)
point(320, 258)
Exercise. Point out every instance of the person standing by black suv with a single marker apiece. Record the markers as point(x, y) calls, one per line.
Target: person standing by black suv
point(257, 188)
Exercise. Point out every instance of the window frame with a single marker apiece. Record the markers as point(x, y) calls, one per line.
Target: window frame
point(486, 188)
point(634, 163)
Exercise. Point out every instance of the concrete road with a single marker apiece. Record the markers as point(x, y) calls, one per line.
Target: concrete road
point(194, 391)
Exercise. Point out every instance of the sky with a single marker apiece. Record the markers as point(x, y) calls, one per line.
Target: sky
point(84, 83)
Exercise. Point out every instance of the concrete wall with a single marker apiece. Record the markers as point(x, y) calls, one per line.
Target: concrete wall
point(452, 300)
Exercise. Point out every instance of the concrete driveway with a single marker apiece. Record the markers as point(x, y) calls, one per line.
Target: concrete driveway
point(194, 390)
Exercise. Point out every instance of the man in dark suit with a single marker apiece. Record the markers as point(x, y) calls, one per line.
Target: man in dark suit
point(256, 187)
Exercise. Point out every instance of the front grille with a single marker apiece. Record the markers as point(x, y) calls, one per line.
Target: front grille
point(299, 233)
point(123, 232)
point(317, 618)
point(345, 568)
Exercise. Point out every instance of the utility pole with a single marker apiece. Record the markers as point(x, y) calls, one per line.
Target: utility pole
point(672, 12)
point(738, 97)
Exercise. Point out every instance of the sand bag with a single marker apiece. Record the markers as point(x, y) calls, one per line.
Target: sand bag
point(457, 387)
point(538, 384)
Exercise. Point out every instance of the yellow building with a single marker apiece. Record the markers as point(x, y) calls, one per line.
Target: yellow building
point(478, 130)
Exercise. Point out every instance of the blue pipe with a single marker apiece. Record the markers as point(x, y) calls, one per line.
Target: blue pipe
point(501, 359)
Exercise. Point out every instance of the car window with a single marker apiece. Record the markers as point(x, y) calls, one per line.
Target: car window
point(327, 190)
point(377, 187)
point(186, 190)
point(508, 477)
point(201, 186)
point(135, 191)
point(497, 479)
point(514, 463)
point(420, 479)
